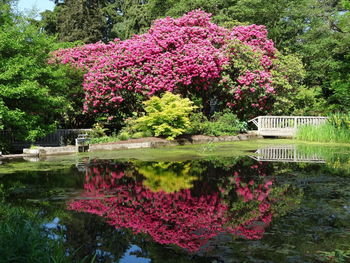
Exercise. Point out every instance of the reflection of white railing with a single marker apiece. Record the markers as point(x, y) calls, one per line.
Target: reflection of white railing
point(284, 125)
point(285, 153)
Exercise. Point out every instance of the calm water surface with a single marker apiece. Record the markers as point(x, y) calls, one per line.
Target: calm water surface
point(289, 204)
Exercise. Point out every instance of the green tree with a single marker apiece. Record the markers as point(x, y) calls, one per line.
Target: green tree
point(91, 21)
point(340, 78)
point(88, 21)
point(34, 96)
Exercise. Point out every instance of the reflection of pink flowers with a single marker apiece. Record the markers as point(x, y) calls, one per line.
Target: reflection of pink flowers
point(177, 218)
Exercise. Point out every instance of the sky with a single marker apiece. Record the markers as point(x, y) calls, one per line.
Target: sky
point(40, 5)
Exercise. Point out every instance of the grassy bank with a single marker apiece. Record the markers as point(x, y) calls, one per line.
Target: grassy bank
point(336, 130)
point(323, 133)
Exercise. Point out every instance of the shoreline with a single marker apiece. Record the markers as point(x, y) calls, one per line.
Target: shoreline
point(147, 142)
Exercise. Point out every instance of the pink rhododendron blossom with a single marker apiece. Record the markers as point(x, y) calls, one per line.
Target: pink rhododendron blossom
point(184, 55)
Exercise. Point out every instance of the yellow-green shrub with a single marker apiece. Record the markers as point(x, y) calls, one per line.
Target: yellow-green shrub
point(167, 115)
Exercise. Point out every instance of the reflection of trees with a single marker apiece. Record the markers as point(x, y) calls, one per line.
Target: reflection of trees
point(87, 234)
point(180, 218)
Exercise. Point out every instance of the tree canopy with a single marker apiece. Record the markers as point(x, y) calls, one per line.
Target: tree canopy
point(34, 96)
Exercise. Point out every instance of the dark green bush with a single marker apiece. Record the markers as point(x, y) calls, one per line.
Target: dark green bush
point(221, 123)
point(224, 123)
point(123, 136)
point(198, 123)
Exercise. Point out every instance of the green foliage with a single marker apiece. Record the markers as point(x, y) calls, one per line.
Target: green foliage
point(221, 123)
point(346, 4)
point(340, 121)
point(167, 115)
point(138, 135)
point(83, 20)
point(306, 102)
point(340, 100)
point(123, 136)
point(224, 123)
point(288, 77)
point(22, 238)
point(336, 256)
point(97, 131)
point(34, 96)
point(198, 123)
point(104, 139)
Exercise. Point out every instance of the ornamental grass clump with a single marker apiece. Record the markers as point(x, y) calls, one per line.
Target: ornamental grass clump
point(167, 116)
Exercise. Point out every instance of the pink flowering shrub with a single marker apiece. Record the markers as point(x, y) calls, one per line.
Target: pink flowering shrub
point(181, 218)
point(189, 55)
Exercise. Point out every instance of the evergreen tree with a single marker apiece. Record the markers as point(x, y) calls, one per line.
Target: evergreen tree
point(88, 21)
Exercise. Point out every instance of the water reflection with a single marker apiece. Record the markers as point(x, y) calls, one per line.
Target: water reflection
point(287, 153)
point(180, 209)
point(232, 209)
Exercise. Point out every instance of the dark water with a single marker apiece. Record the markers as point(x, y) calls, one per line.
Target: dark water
point(232, 209)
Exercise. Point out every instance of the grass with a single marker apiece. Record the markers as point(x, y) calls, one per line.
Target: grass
point(324, 133)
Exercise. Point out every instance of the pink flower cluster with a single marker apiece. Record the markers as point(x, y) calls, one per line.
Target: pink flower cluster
point(186, 55)
point(179, 218)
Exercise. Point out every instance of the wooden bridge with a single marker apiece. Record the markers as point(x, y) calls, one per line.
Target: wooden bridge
point(284, 126)
point(286, 154)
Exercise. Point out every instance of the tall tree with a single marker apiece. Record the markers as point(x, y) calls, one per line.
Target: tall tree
point(34, 96)
point(86, 20)
point(340, 78)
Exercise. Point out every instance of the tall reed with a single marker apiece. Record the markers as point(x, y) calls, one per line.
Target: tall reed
point(337, 130)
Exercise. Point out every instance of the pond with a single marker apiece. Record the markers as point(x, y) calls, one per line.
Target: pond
point(236, 202)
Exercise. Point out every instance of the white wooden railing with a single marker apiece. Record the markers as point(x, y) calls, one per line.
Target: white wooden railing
point(284, 125)
point(285, 153)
